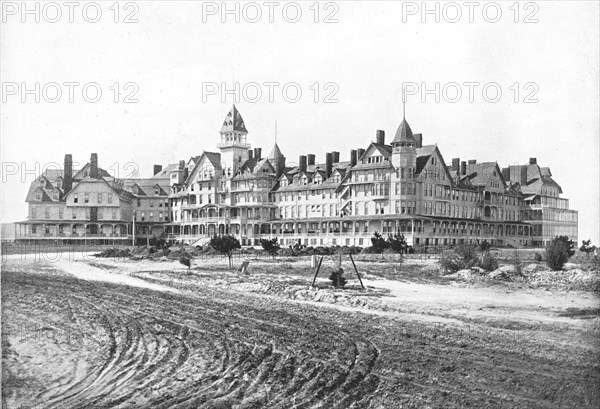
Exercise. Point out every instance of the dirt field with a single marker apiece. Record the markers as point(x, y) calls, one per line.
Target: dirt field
point(106, 333)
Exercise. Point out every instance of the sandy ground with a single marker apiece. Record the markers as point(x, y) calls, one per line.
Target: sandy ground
point(86, 332)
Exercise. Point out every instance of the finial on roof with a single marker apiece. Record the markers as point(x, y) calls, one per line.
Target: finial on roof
point(403, 108)
point(276, 131)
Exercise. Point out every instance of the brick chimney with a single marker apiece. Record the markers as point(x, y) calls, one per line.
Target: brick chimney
point(419, 138)
point(328, 164)
point(353, 157)
point(359, 153)
point(157, 169)
point(335, 156)
point(533, 161)
point(94, 166)
point(311, 159)
point(68, 173)
point(380, 137)
point(181, 164)
point(257, 153)
point(463, 168)
point(302, 163)
point(456, 164)
point(250, 154)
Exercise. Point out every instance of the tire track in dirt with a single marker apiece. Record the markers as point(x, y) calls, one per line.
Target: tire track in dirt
point(163, 351)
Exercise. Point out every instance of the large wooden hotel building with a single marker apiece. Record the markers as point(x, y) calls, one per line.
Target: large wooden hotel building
point(391, 185)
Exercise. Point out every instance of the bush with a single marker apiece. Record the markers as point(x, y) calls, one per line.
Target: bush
point(379, 243)
point(270, 246)
point(538, 257)
point(488, 262)
point(397, 243)
point(587, 247)
point(337, 278)
point(558, 252)
point(484, 246)
point(459, 258)
point(517, 262)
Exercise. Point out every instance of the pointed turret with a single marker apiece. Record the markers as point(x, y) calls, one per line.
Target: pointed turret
point(233, 122)
point(404, 134)
point(277, 159)
point(275, 152)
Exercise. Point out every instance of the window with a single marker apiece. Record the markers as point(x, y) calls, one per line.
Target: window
point(151, 203)
point(60, 213)
point(99, 197)
point(46, 213)
point(87, 213)
point(114, 213)
point(55, 195)
point(110, 198)
point(99, 214)
point(75, 198)
point(86, 198)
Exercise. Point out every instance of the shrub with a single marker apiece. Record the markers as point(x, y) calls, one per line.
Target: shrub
point(397, 243)
point(488, 262)
point(558, 252)
point(538, 257)
point(459, 258)
point(379, 243)
point(517, 262)
point(586, 247)
point(270, 246)
point(185, 258)
point(484, 246)
point(337, 278)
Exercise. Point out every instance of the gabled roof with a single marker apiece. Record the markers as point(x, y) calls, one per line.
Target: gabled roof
point(479, 173)
point(403, 133)
point(233, 122)
point(214, 158)
point(164, 174)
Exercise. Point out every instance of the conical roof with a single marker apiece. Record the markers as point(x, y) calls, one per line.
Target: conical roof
point(275, 152)
point(404, 133)
point(233, 122)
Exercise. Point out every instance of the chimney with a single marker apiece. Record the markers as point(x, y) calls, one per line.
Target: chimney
point(353, 157)
point(380, 137)
point(359, 154)
point(257, 153)
point(523, 175)
point(302, 163)
point(456, 164)
point(250, 154)
point(94, 166)
point(157, 169)
point(68, 173)
point(181, 164)
point(335, 156)
point(506, 174)
point(419, 138)
point(463, 168)
point(472, 161)
point(328, 164)
point(533, 161)
point(311, 159)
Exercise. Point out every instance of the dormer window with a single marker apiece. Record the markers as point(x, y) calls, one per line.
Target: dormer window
point(38, 195)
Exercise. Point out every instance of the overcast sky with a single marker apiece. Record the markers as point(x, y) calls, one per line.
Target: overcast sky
point(178, 54)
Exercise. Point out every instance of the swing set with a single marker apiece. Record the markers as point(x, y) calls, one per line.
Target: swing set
point(318, 267)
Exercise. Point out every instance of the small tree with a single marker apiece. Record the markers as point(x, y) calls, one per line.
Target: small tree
point(587, 248)
point(225, 244)
point(397, 243)
point(185, 258)
point(270, 246)
point(379, 243)
point(484, 246)
point(517, 262)
point(558, 252)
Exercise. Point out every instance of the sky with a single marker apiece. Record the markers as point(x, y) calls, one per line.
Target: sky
point(499, 82)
